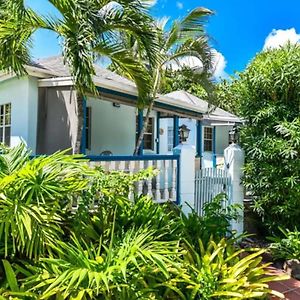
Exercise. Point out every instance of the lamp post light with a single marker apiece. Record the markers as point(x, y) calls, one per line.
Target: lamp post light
point(184, 133)
point(234, 135)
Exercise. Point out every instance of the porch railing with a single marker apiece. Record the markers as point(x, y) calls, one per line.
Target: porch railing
point(162, 188)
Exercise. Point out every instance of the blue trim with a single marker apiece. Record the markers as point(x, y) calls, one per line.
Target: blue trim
point(176, 131)
point(133, 99)
point(199, 139)
point(132, 158)
point(139, 129)
point(214, 147)
point(83, 135)
point(157, 132)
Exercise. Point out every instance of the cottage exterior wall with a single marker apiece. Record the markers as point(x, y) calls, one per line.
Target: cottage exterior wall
point(22, 93)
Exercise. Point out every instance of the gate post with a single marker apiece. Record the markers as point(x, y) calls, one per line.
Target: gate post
point(234, 161)
point(187, 176)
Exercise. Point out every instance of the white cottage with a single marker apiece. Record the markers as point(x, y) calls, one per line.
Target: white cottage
point(41, 109)
point(210, 134)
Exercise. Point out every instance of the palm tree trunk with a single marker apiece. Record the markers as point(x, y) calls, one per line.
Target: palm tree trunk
point(79, 107)
point(150, 107)
point(145, 125)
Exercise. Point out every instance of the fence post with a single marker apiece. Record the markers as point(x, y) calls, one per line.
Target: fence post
point(187, 175)
point(234, 161)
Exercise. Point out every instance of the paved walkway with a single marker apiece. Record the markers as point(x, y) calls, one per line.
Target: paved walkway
point(290, 288)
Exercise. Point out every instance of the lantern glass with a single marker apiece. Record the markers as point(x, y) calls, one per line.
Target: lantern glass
point(234, 135)
point(184, 133)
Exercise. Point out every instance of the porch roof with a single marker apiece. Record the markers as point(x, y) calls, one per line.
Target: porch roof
point(112, 87)
point(209, 113)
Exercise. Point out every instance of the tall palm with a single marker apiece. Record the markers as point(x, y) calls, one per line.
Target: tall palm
point(87, 29)
point(187, 39)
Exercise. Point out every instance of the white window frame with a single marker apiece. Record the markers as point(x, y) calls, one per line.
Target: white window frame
point(208, 139)
point(5, 123)
point(170, 137)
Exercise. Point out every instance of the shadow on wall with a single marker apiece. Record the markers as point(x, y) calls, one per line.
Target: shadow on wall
point(57, 119)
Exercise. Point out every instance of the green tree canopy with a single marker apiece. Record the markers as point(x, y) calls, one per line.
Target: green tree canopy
point(268, 92)
point(87, 29)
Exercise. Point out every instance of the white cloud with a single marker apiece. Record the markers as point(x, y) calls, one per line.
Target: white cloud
point(179, 5)
point(280, 37)
point(219, 65)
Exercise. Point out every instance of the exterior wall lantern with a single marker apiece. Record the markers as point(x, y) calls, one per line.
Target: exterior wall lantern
point(184, 133)
point(234, 135)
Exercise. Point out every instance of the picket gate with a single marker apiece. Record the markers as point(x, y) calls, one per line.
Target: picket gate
point(209, 183)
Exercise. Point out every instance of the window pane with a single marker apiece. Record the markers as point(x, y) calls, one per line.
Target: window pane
point(2, 110)
point(7, 136)
point(207, 145)
point(1, 134)
point(1, 120)
point(170, 138)
point(148, 142)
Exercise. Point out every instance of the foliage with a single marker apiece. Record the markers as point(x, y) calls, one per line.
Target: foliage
point(286, 246)
point(220, 271)
point(33, 194)
point(110, 247)
point(186, 39)
point(269, 101)
point(87, 30)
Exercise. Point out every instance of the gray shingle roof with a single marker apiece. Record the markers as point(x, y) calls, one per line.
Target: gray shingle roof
point(55, 65)
point(185, 97)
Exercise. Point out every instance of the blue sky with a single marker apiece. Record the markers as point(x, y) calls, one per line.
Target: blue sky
point(238, 30)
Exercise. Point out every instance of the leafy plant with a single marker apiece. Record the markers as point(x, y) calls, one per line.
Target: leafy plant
point(269, 102)
point(220, 272)
point(115, 248)
point(215, 223)
point(286, 246)
point(33, 194)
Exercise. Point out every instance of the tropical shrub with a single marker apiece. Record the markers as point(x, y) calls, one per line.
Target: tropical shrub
point(110, 247)
point(33, 195)
point(269, 101)
point(221, 272)
point(286, 246)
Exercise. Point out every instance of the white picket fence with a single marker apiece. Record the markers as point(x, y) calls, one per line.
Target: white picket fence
point(161, 188)
point(209, 183)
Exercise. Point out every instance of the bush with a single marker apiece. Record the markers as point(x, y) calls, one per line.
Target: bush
point(269, 99)
point(286, 246)
point(119, 249)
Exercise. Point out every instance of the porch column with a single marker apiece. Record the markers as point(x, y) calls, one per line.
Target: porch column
point(157, 132)
point(176, 131)
point(199, 139)
point(214, 147)
point(83, 135)
point(139, 129)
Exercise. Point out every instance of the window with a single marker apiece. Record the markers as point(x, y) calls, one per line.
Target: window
point(170, 138)
point(5, 123)
point(208, 139)
point(88, 128)
point(148, 135)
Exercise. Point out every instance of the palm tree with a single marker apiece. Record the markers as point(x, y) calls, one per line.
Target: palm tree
point(87, 29)
point(186, 39)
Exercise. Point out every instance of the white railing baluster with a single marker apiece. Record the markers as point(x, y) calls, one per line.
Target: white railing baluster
point(174, 170)
point(149, 181)
point(157, 187)
point(141, 182)
point(112, 166)
point(131, 170)
point(166, 180)
point(122, 166)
